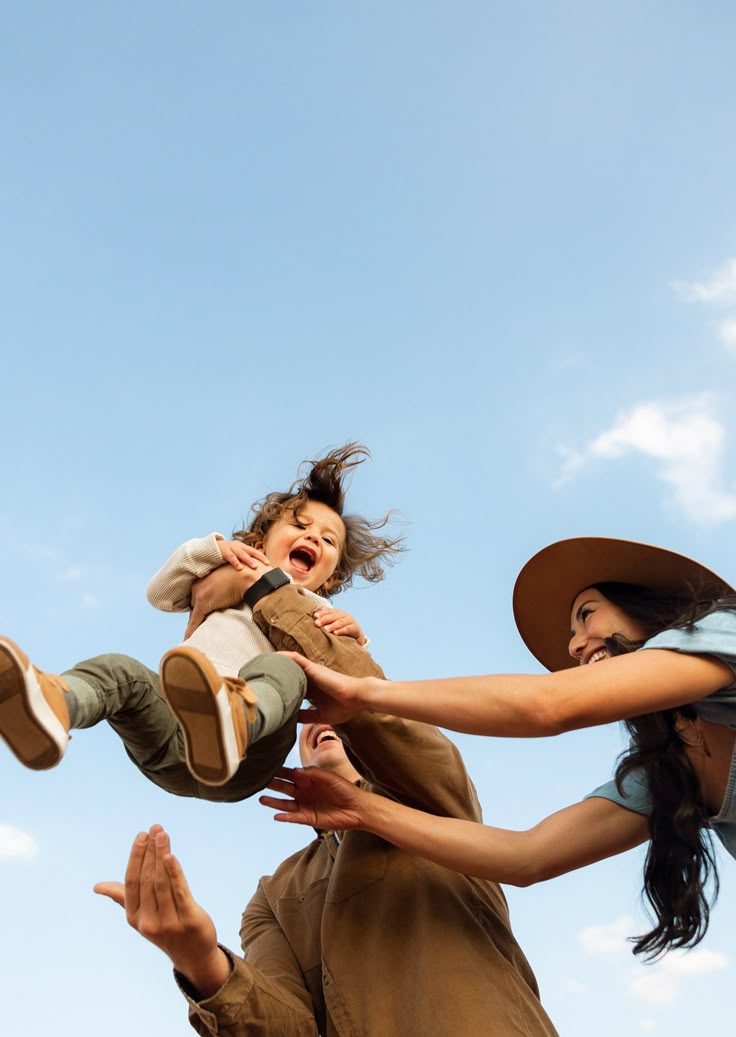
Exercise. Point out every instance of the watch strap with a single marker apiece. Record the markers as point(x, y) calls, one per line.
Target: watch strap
point(267, 583)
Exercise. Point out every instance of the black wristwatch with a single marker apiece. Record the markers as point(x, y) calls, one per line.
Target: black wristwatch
point(270, 581)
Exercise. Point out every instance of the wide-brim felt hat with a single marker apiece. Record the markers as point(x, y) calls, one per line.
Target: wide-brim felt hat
point(551, 580)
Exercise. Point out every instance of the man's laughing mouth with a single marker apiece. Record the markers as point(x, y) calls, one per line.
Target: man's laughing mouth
point(322, 734)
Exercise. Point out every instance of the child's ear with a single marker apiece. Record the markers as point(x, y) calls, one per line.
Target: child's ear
point(330, 585)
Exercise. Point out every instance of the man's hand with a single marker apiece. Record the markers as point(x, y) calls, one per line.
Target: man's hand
point(241, 555)
point(318, 798)
point(333, 695)
point(223, 588)
point(339, 623)
point(159, 905)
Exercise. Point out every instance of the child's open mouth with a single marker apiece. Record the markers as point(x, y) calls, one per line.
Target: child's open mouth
point(302, 559)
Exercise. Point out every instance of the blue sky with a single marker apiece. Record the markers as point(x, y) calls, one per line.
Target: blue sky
point(494, 242)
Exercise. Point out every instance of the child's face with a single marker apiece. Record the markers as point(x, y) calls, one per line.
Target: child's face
point(307, 546)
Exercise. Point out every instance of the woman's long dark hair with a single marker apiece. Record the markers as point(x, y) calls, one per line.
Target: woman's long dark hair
point(680, 864)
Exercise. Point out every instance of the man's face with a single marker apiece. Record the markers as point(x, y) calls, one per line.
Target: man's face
point(307, 545)
point(319, 746)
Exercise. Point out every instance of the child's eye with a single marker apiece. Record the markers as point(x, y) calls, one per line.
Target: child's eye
point(329, 540)
point(585, 613)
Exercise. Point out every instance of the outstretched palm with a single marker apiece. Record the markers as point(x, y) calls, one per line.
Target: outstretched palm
point(318, 798)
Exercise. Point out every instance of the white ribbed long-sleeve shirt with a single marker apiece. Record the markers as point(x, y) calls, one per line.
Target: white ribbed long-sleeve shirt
point(228, 637)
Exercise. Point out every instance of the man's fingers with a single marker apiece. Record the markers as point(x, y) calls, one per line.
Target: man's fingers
point(133, 874)
point(114, 890)
point(165, 897)
point(147, 900)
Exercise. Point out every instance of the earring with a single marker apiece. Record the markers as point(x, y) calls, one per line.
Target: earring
point(699, 744)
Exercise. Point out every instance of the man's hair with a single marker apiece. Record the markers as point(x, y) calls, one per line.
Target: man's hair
point(364, 553)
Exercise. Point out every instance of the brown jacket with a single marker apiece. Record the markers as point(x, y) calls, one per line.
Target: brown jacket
point(365, 940)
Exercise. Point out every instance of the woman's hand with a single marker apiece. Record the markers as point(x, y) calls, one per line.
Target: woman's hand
point(339, 623)
point(334, 696)
point(318, 798)
point(159, 905)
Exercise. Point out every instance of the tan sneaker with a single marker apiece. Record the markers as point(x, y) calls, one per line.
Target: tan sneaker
point(34, 719)
point(211, 711)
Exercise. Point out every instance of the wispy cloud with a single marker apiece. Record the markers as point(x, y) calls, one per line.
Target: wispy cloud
point(609, 939)
point(686, 441)
point(656, 985)
point(719, 288)
point(727, 332)
point(15, 844)
point(662, 984)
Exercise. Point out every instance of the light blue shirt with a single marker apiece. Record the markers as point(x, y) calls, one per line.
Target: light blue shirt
point(714, 635)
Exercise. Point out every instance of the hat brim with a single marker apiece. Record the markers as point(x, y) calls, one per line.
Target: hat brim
point(550, 581)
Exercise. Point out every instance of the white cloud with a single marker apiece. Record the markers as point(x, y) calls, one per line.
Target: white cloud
point(719, 288)
point(727, 332)
point(16, 844)
point(686, 440)
point(655, 985)
point(609, 939)
point(662, 983)
point(574, 986)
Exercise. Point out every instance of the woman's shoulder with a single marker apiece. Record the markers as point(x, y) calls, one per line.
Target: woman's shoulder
point(715, 635)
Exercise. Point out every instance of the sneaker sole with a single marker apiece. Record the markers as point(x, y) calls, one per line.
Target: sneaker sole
point(28, 725)
point(204, 718)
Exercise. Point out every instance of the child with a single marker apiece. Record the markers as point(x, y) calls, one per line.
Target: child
point(227, 691)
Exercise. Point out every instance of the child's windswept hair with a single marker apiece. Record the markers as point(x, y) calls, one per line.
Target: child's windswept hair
point(326, 481)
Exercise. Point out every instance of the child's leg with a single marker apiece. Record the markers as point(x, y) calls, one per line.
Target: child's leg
point(222, 718)
point(126, 693)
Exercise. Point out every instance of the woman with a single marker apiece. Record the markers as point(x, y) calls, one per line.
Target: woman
point(653, 637)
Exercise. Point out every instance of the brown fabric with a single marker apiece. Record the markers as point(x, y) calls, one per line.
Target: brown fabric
point(285, 617)
point(369, 941)
point(550, 581)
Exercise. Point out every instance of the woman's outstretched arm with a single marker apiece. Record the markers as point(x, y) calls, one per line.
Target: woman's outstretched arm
point(571, 838)
point(524, 705)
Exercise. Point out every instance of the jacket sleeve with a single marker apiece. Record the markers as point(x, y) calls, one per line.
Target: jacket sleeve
point(265, 994)
point(285, 617)
point(413, 763)
point(170, 589)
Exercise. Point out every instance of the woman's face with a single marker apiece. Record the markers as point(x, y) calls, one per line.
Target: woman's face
point(594, 618)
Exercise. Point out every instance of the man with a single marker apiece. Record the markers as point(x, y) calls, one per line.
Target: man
point(350, 937)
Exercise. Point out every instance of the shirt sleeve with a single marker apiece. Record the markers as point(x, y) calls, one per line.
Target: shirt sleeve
point(634, 793)
point(265, 993)
point(285, 617)
point(171, 588)
point(714, 634)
